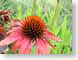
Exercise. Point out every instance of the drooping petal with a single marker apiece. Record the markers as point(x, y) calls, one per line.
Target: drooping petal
point(42, 47)
point(8, 40)
point(25, 51)
point(18, 43)
point(50, 44)
point(52, 36)
point(26, 48)
point(11, 38)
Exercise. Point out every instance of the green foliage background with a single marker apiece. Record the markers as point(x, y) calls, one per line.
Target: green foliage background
point(56, 13)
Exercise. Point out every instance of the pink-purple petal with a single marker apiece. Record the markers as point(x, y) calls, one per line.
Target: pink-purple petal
point(26, 47)
point(8, 40)
point(50, 44)
point(52, 36)
point(42, 48)
point(11, 38)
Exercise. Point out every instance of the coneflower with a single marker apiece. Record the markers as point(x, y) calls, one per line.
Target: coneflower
point(30, 32)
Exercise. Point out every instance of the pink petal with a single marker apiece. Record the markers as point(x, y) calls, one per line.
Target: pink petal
point(8, 40)
point(19, 43)
point(11, 38)
point(50, 44)
point(42, 47)
point(25, 51)
point(52, 36)
point(26, 48)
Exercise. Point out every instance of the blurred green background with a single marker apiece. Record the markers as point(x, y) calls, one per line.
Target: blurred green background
point(56, 13)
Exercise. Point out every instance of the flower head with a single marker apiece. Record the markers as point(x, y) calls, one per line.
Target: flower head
point(30, 32)
point(33, 27)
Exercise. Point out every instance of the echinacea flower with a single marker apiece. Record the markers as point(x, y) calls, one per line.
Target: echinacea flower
point(30, 32)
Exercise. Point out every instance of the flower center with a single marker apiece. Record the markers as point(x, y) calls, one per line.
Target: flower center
point(33, 27)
